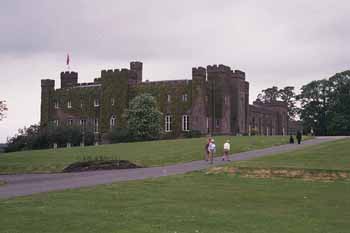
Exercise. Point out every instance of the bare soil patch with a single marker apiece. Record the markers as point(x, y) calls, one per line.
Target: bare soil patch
point(294, 173)
point(100, 165)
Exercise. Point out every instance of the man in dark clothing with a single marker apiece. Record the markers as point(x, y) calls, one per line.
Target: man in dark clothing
point(299, 136)
point(291, 139)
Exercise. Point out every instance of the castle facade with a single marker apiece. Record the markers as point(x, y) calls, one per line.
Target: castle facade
point(215, 101)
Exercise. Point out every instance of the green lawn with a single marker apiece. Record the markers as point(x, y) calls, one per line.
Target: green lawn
point(331, 156)
point(194, 202)
point(154, 153)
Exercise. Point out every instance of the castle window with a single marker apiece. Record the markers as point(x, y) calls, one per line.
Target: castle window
point(81, 104)
point(70, 122)
point(185, 123)
point(167, 123)
point(96, 103)
point(96, 126)
point(207, 122)
point(184, 97)
point(69, 104)
point(55, 123)
point(112, 122)
point(112, 101)
point(83, 123)
point(226, 100)
point(169, 98)
point(56, 105)
point(217, 123)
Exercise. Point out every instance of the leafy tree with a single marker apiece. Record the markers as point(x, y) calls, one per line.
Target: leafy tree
point(325, 105)
point(339, 110)
point(269, 95)
point(3, 109)
point(315, 101)
point(287, 95)
point(143, 117)
point(34, 137)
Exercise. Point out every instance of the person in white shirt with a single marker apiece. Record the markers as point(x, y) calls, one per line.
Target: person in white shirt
point(226, 151)
point(211, 150)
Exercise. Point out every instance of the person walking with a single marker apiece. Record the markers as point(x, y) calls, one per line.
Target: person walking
point(206, 150)
point(291, 139)
point(226, 151)
point(299, 137)
point(211, 150)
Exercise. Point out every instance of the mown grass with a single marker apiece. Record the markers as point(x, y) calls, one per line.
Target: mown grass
point(333, 155)
point(153, 153)
point(194, 202)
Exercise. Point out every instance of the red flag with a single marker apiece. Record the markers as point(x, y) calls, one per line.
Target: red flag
point(67, 59)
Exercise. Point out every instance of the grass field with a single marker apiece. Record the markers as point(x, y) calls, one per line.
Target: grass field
point(152, 153)
point(195, 202)
point(330, 156)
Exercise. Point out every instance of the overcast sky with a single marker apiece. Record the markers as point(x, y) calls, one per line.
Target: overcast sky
point(275, 42)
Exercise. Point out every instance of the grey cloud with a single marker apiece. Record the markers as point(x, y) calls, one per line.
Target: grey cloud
point(275, 42)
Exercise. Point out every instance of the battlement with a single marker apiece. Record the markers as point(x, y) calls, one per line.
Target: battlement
point(116, 72)
point(69, 79)
point(199, 71)
point(219, 69)
point(136, 66)
point(48, 83)
point(239, 74)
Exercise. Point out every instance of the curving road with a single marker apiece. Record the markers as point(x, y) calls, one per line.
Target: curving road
point(27, 184)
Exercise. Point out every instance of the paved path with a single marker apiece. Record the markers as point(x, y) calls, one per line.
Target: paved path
point(27, 184)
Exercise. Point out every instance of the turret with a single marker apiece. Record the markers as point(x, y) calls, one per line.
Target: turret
point(199, 74)
point(69, 79)
point(136, 66)
point(47, 90)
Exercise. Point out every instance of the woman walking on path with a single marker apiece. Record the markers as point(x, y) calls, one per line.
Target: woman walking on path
point(211, 150)
point(226, 151)
point(206, 150)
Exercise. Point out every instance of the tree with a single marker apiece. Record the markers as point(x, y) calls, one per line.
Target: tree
point(269, 95)
point(143, 117)
point(34, 137)
point(315, 101)
point(326, 105)
point(339, 110)
point(3, 109)
point(287, 95)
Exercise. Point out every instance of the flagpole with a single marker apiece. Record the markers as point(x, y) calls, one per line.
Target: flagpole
point(67, 62)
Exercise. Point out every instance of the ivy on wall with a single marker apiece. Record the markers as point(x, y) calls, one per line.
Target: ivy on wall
point(176, 107)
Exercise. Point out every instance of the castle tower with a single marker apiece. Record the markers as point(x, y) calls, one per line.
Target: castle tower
point(47, 91)
point(69, 79)
point(136, 66)
point(199, 111)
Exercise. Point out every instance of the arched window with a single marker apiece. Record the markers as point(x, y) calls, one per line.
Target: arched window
point(112, 122)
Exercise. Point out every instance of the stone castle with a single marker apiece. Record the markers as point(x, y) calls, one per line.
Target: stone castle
point(215, 101)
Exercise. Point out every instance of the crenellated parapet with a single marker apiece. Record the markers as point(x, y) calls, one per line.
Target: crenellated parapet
point(219, 69)
point(199, 74)
point(239, 74)
point(48, 83)
point(69, 79)
point(136, 66)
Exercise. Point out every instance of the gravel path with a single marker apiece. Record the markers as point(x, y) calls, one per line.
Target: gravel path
point(27, 184)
